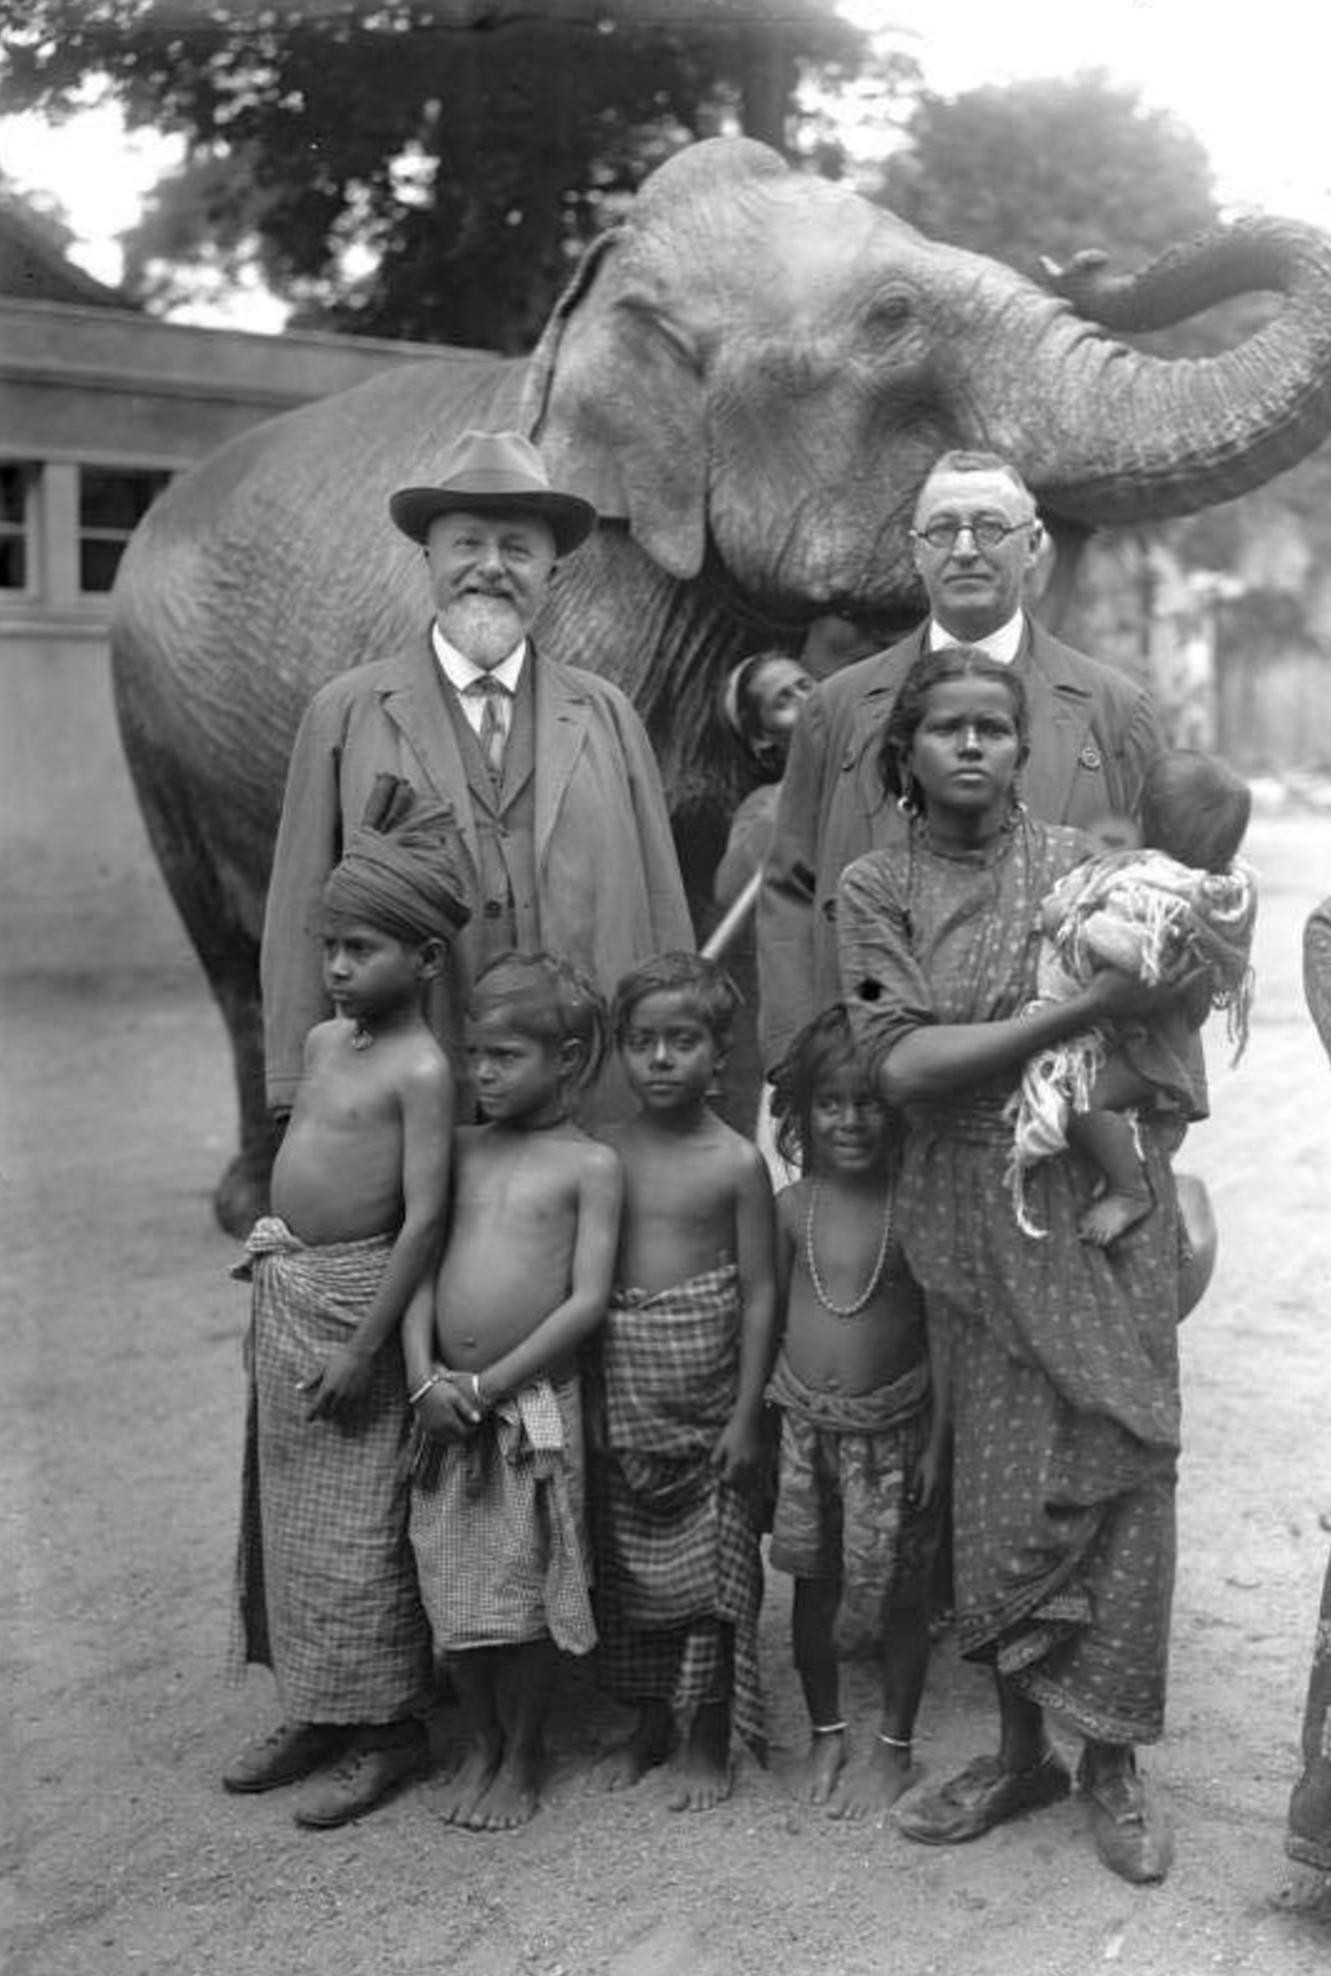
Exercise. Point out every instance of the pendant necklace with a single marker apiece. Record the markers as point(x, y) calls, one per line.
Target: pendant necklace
point(860, 1303)
point(361, 1037)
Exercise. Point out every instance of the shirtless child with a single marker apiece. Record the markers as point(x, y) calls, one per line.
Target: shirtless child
point(492, 1365)
point(326, 1582)
point(684, 1356)
point(862, 1448)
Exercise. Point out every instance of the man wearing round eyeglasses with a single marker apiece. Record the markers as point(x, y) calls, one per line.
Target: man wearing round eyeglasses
point(977, 541)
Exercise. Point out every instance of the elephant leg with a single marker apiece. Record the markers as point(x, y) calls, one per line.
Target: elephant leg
point(229, 955)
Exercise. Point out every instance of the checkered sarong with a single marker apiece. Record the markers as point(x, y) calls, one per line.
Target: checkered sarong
point(678, 1569)
point(325, 1586)
point(497, 1527)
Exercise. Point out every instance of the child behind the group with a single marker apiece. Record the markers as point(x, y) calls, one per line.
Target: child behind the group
point(683, 1359)
point(1180, 905)
point(492, 1367)
point(326, 1585)
point(761, 704)
point(863, 1421)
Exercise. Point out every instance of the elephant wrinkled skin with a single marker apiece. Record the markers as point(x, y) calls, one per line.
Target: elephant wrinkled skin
point(749, 377)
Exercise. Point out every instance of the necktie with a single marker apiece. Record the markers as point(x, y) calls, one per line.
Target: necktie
point(493, 732)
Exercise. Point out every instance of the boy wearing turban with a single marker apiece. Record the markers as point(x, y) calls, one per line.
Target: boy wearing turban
point(326, 1586)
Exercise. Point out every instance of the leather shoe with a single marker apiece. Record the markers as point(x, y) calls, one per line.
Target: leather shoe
point(986, 1793)
point(286, 1753)
point(1132, 1835)
point(361, 1779)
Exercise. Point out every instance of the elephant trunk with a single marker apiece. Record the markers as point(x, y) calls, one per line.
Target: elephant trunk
point(1127, 437)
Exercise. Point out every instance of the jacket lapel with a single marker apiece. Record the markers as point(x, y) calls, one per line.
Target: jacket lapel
point(1060, 713)
point(562, 713)
point(412, 697)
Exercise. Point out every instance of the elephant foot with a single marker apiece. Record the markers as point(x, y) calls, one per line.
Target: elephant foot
point(242, 1195)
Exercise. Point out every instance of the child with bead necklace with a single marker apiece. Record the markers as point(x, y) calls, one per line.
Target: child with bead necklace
point(863, 1427)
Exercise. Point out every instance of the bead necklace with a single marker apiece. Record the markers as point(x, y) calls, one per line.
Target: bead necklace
point(865, 1297)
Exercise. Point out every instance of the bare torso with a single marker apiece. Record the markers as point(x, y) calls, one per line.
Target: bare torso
point(881, 1341)
point(338, 1172)
point(509, 1259)
point(680, 1196)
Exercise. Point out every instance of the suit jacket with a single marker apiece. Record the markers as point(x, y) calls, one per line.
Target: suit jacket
point(608, 884)
point(1093, 730)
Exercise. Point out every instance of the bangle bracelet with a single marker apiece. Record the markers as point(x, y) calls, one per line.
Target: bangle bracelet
point(434, 1379)
point(477, 1394)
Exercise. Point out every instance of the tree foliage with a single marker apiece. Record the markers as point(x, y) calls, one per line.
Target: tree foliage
point(417, 167)
point(1049, 167)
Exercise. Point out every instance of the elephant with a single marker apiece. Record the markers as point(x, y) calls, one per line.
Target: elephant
point(749, 376)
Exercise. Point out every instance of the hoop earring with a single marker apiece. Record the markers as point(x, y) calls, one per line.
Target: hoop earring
point(906, 801)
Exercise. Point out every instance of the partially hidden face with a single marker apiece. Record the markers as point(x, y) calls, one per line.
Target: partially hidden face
point(489, 575)
point(847, 1123)
point(966, 751)
point(780, 691)
point(517, 1077)
point(973, 589)
point(669, 1054)
point(368, 973)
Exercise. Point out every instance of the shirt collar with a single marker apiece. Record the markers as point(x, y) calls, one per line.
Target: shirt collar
point(1003, 644)
point(461, 672)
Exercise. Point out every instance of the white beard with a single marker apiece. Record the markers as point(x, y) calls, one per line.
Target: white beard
point(484, 629)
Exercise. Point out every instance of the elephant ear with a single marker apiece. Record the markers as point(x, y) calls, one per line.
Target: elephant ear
point(614, 398)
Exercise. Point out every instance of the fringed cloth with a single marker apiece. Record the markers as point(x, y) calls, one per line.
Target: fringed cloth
point(497, 1527)
point(325, 1584)
point(1308, 1830)
point(678, 1568)
point(1151, 917)
point(843, 1506)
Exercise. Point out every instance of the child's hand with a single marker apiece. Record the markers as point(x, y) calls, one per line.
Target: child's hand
point(737, 1456)
point(448, 1410)
point(930, 1477)
point(339, 1386)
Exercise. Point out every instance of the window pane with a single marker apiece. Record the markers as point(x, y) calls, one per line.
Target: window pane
point(116, 500)
point(13, 563)
point(14, 483)
point(98, 562)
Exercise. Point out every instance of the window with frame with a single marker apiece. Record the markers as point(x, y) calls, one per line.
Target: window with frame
point(18, 479)
point(112, 503)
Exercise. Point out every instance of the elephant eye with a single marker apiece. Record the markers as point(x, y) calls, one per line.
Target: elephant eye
point(890, 312)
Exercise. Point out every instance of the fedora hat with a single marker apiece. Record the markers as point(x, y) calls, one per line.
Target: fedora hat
point(493, 473)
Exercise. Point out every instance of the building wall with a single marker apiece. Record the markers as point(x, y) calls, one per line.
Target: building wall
point(96, 408)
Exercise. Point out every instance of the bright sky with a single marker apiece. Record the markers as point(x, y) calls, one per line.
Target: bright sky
point(1252, 84)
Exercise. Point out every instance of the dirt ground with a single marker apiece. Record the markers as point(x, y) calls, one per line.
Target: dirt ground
point(120, 1417)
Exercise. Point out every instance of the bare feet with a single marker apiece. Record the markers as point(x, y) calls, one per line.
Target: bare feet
point(454, 1801)
point(1111, 1216)
point(876, 1785)
point(702, 1772)
point(513, 1796)
point(822, 1765)
point(649, 1745)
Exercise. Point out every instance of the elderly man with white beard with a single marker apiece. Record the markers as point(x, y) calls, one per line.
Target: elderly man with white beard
point(562, 825)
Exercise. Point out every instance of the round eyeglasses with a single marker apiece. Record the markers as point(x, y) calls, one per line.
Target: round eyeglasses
point(985, 531)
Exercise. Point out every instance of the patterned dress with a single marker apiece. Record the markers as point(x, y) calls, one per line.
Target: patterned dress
point(1064, 1357)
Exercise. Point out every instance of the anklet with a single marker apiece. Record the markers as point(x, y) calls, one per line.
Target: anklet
point(893, 1742)
point(826, 1728)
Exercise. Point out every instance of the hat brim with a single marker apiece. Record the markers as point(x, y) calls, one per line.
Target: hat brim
point(570, 518)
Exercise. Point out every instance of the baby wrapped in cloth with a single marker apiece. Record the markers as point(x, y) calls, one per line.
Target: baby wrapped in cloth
point(1146, 914)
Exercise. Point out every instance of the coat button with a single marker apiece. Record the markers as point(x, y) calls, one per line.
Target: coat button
point(1089, 756)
